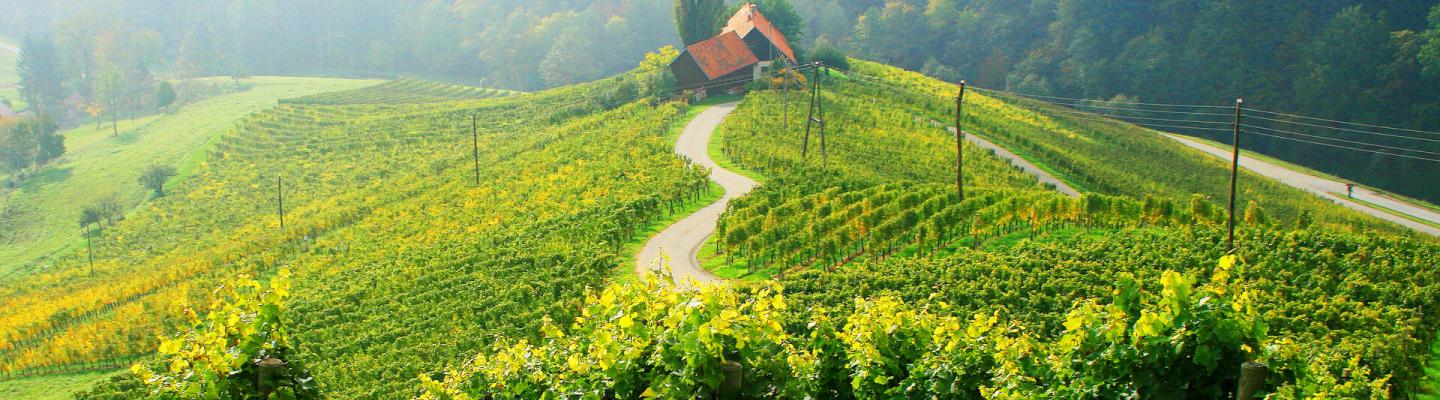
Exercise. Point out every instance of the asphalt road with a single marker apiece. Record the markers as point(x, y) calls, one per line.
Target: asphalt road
point(681, 241)
point(1326, 188)
point(1026, 166)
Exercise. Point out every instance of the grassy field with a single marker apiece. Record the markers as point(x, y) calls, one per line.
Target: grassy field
point(60, 386)
point(97, 164)
point(8, 76)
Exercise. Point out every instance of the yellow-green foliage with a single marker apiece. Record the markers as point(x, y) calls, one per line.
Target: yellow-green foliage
point(654, 340)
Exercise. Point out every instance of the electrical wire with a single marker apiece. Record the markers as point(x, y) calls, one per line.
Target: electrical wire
point(1347, 148)
point(1343, 122)
point(1344, 129)
point(1340, 140)
point(1106, 101)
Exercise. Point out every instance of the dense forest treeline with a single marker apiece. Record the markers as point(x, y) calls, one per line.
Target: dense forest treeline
point(1375, 62)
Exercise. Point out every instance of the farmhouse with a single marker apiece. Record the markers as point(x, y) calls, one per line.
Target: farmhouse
point(747, 45)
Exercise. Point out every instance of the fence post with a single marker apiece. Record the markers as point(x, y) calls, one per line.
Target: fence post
point(1252, 377)
point(960, 143)
point(734, 380)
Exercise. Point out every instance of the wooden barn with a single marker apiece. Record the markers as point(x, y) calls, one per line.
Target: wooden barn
point(716, 63)
point(745, 46)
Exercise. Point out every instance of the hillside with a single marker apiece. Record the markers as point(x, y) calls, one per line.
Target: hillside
point(8, 76)
point(423, 259)
point(40, 216)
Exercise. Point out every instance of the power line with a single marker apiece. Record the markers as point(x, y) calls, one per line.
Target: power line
point(1347, 148)
point(1144, 118)
point(1343, 122)
point(1341, 140)
point(1092, 105)
point(1346, 129)
point(1105, 101)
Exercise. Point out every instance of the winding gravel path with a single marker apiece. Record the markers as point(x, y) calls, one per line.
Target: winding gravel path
point(681, 240)
point(1326, 188)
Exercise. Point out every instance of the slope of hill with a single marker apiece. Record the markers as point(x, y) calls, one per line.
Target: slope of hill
point(428, 260)
point(9, 54)
point(40, 216)
point(879, 222)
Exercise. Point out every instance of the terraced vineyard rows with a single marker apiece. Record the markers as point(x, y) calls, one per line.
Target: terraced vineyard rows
point(401, 91)
point(1107, 158)
point(356, 176)
point(834, 226)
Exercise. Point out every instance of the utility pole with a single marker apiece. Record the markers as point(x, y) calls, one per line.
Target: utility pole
point(280, 199)
point(475, 146)
point(820, 111)
point(1234, 175)
point(960, 143)
point(810, 111)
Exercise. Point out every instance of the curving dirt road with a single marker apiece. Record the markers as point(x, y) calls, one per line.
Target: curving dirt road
point(1327, 189)
point(681, 240)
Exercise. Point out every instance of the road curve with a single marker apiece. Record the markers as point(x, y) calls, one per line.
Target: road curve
point(1326, 188)
point(681, 241)
point(10, 48)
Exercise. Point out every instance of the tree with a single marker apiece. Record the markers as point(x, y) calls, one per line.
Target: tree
point(109, 87)
point(155, 176)
point(783, 16)
point(164, 95)
point(90, 215)
point(699, 19)
point(40, 76)
point(1430, 49)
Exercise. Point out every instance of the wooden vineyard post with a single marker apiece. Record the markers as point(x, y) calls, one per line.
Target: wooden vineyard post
point(280, 199)
point(960, 143)
point(1234, 175)
point(1252, 377)
point(89, 249)
point(475, 146)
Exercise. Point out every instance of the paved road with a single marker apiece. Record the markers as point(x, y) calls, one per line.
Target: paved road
point(1025, 165)
point(1016, 160)
point(1326, 188)
point(10, 48)
point(681, 240)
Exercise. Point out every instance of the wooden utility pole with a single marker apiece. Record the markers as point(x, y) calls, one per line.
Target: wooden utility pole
point(810, 111)
point(960, 143)
point(1234, 175)
point(280, 199)
point(820, 114)
point(475, 146)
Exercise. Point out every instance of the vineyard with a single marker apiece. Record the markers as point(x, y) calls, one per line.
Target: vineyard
point(398, 239)
point(1101, 157)
point(455, 242)
point(1118, 291)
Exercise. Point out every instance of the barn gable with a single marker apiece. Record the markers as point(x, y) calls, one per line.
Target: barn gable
point(759, 33)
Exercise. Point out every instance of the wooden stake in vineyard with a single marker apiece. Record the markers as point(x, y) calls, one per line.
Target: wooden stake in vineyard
point(1234, 175)
point(475, 146)
point(960, 143)
point(280, 199)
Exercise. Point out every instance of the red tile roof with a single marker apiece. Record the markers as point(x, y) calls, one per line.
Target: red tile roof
point(749, 18)
point(721, 55)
